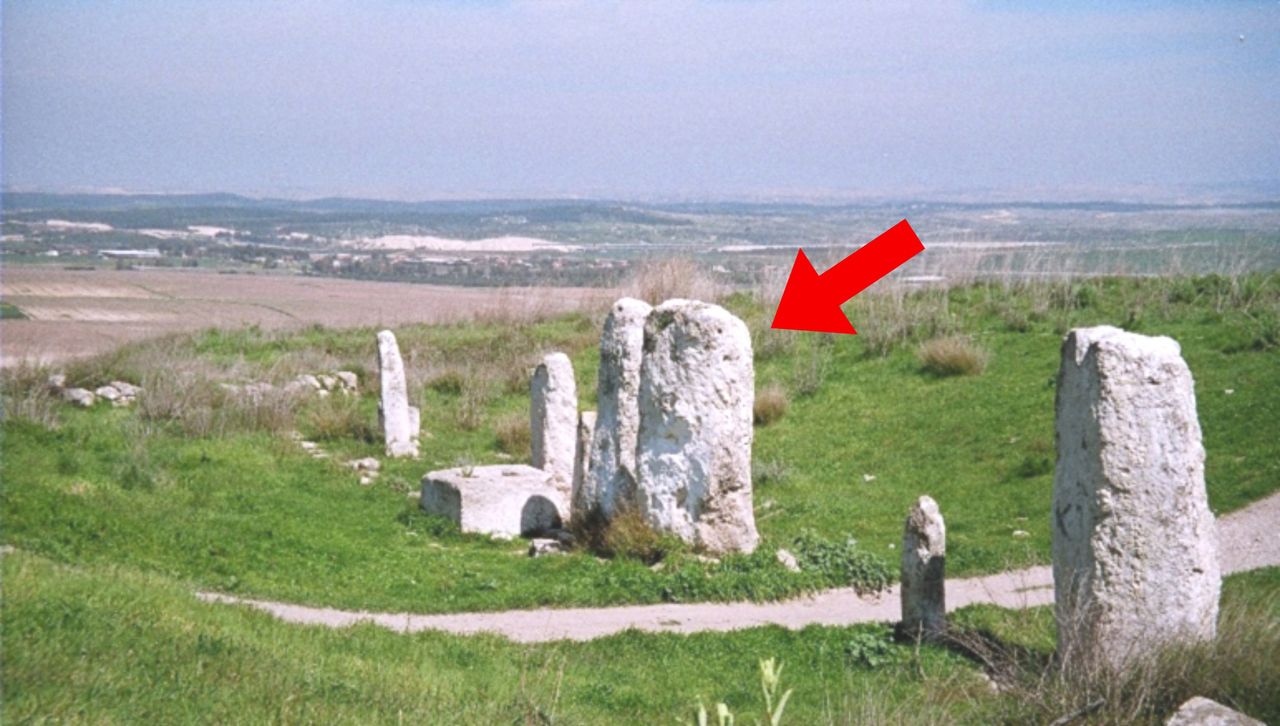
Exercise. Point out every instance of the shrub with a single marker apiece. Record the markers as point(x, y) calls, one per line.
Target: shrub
point(514, 436)
point(26, 396)
point(339, 417)
point(449, 381)
point(842, 562)
point(952, 356)
point(657, 280)
point(1238, 668)
point(869, 648)
point(771, 404)
point(626, 535)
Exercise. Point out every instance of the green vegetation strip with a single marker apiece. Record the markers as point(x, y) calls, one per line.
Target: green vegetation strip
point(112, 644)
point(194, 485)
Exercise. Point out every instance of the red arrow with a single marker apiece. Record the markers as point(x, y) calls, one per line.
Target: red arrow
point(812, 302)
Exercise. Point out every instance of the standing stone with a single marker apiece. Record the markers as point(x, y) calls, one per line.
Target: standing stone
point(395, 415)
point(553, 419)
point(924, 554)
point(612, 479)
point(582, 456)
point(693, 454)
point(1135, 547)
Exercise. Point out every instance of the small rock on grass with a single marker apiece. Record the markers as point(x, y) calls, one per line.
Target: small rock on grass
point(787, 560)
point(544, 546)
point(367, 464)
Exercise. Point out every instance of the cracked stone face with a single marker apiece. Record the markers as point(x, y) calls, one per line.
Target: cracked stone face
point(693, 455)
point(1135, 554)
point(611, 478)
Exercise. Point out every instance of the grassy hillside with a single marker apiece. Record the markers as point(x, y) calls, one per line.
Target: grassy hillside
point(202, 487)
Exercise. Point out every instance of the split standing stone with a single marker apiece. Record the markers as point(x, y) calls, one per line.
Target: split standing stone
point(582, 456)
point(611, 482)
point(1135, 554)
point(693, 455)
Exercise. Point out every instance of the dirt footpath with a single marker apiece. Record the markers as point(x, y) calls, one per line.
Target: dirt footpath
point(1247, 542)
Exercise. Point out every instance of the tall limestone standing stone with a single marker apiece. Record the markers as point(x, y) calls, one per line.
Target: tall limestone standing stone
point(553, 419)
point(399, 420)
point(693, 455)
point(1135, 547)
point(924, 554)
point(582, 452)
point(612, 480)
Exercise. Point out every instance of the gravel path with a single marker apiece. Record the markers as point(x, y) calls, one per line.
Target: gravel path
point(1247, 542)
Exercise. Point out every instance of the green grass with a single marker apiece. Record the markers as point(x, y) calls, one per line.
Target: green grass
point(247, 512)
point(106, 643)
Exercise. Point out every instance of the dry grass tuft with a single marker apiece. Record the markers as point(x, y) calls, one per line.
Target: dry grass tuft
point(771, 404)
point(514, 436)
point(660, 279)
point(25, 396)
point(626, 535)
point(338, 417)
point(952, 356)
point(1238, 668)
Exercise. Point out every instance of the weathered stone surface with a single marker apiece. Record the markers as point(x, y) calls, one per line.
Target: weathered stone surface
point(553, 419)
point(128, 390)
point(395, 415)
point(1201, 711)
point(612, 479)
point(1135, 561)
point(503, 501)
point(81, 397)
point(57, 382)
point(367, 464)
point(924, 553)
point(314, 383)
point(693, 455)
point(582, 458)
point(415, 422)
point(327, 381)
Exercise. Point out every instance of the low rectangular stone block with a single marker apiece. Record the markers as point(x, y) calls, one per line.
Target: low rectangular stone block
point(501, 501)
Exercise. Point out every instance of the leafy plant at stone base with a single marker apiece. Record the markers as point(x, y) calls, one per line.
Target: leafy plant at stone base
point(869, 649)
point(842, 562)
point(774, 706)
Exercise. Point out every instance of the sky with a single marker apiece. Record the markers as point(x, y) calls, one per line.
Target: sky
point(646, 99)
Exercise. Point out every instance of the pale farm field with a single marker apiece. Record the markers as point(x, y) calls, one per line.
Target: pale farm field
point(76, 313)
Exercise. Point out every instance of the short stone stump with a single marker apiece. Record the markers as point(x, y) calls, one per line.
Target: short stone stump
point(501, 501)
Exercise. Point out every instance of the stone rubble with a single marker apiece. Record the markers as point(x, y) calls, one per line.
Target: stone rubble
point(1200, 711)
point(1135, 554)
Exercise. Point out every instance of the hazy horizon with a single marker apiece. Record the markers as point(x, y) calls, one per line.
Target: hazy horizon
point(719, 99)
